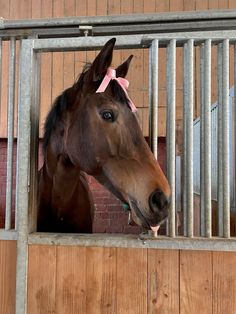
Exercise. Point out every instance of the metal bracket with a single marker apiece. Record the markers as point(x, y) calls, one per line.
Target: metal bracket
point(86, 29)
point(1, 22)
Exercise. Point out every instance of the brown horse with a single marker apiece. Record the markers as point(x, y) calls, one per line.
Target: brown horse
point(97, 133)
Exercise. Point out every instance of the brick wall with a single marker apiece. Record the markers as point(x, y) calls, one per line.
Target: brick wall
point(109, 215)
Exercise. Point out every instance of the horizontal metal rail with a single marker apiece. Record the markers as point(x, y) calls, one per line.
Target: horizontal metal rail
point(111, 240)
point(174, 17)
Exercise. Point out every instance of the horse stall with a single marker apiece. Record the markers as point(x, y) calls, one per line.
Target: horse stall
point(186, 268)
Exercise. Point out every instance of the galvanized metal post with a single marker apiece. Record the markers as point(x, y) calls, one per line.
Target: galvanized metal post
point(153, 97)
point(188, 129)
point(202, 144)
point(207, 137)
point(219, 144)
point(10, 132)
point(225, 139)
point(170, 129)
point(23, 160)
point(185, 102)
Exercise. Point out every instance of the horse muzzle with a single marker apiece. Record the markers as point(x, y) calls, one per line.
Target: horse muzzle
point(157, 212)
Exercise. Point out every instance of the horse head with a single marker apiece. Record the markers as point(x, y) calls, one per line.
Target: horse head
point(106, 141)
point(102, 136)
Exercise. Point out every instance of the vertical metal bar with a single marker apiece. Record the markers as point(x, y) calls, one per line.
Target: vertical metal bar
point(0, 77)
point(185, 103)
point(225, 138)
point(153, 96)
point(10, 132)
point(202, 146)
point(23, 161)
point(188, 112)
point(207, 137)
point(219, 144)
point(234, 134)
point(170, 129)
point(18, 97)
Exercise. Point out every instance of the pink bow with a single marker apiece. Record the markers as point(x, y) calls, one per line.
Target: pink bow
point(124, 84)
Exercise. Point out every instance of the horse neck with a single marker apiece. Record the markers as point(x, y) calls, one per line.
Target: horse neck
point(62, 174)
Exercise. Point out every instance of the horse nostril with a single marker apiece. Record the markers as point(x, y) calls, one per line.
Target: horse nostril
point(158, 201)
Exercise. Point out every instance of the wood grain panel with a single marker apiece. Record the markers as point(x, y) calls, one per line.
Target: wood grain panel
point(163, 281)
point(131, 281)
point(224, 282)
point(71, 280)
point(7, 276)
point(101, 280)
point(195, 282)
point(232, 4)
point(41, 279)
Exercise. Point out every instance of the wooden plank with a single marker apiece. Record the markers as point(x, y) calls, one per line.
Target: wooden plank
point(224, 282)
point(101, 280)
point(4, 89)
point(162, 5)
point(190, 5)
point(232, 4)
point(163, 281)
point(223, 4)
point(201, 5)
point(195, 282)
point(71, 280)
point(176, 5)
point(131, 281)
point(102, 7)
point(113, 7)
point(41, 279)
point(7, 276)
point(5, 13)
point(36, 9)
point(213, 4)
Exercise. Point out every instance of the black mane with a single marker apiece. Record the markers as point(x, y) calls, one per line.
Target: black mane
point(59, 106)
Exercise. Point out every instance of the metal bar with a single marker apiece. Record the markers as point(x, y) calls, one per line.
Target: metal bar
point(202, 144)
point(170, 129)
point(8, 234)
point(185, 103)
point(153, 97)
point(127, 41)
point(23, 161)
point(225, 138)
point(207, 137)
point(234, 134)
point(109, 240)
point(0, 76)
point(10, 132)
point(35, 104)
point(118, 19)
point(188, 171)
point(219, 143)
point(19, 75)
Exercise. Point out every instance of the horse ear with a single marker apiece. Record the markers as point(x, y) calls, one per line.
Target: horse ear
point(102, 61)
point(122, 69)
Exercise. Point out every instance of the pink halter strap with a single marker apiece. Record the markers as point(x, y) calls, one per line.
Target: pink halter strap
point(124, 84)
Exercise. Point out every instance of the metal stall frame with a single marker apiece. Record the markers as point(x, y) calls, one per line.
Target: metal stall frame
point(27, 145)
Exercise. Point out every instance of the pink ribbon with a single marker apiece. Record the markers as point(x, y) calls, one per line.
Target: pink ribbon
point(124, 84)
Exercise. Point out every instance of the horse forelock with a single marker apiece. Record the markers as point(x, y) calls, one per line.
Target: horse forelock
point(63, 102)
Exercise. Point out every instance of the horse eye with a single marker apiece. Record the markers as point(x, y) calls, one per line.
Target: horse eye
point(107, 115)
